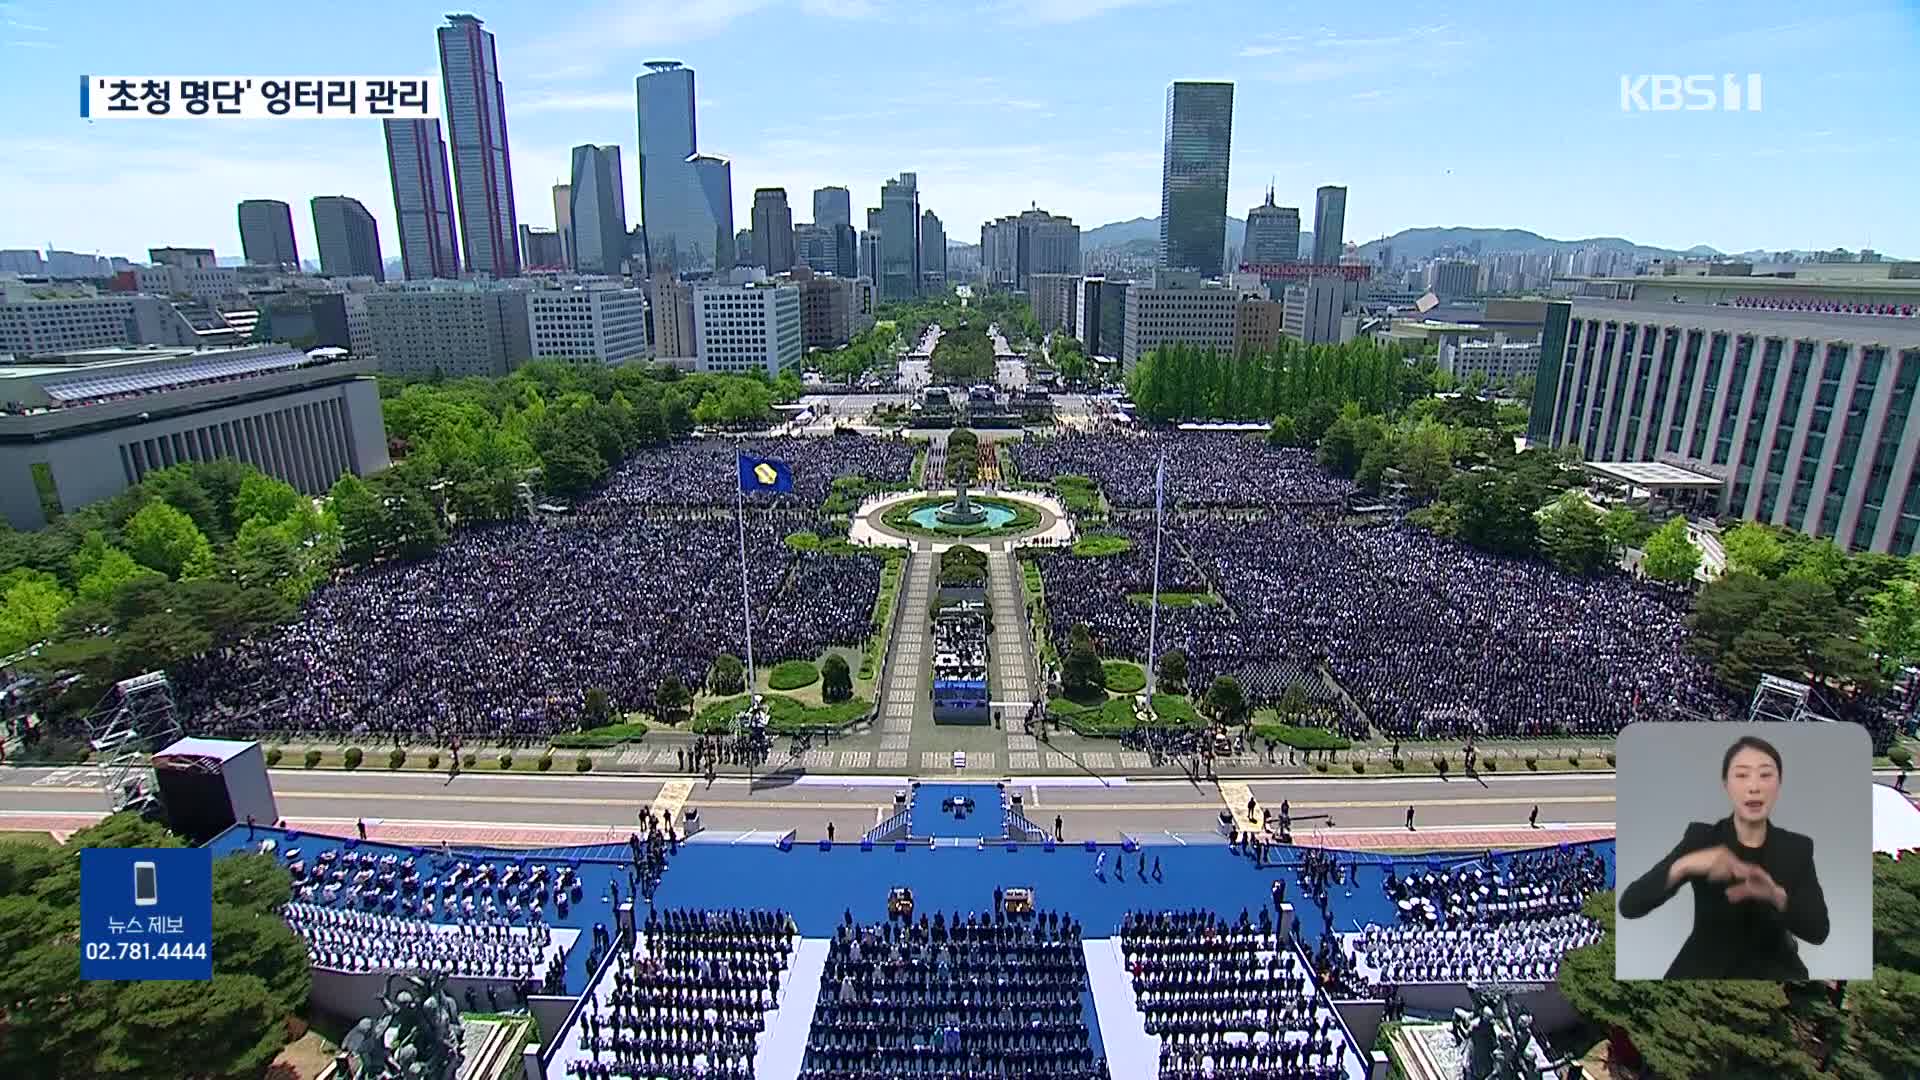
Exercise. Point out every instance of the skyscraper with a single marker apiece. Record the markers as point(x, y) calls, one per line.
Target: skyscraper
point(422, 199)
point(1193, 177)
point(266, 233)
point(1015, 247)
point(686, 197)
point(476, 109)
point(1273, 234)
point(563, 219)
point(933, 251)
point(772, 230)
point(833, 210)
point(1329, 225)
point(349, 241)
point(897, 221)
point(598, 210)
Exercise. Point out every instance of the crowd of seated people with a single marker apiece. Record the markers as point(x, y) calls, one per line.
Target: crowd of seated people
point(987, 995)
point(346, 940)
point(1228, 999)
point(455, 891)
point(1526, 951)
point(1530, 885)
point(690, 1000)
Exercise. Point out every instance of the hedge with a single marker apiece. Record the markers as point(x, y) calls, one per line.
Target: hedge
point(602, 737)
point(396, 757)
point(273, 757)
point(1124, 676)
point(1115, 715)
point(793, 674)
point(312, 758)
point(353, 757)
point(786, 715)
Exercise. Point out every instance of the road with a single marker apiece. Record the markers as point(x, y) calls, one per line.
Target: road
point(1325, 808)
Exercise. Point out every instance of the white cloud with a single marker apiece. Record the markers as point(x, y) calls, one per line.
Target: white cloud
point(1328, 55)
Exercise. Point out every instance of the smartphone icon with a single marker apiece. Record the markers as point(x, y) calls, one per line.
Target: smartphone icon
point(146, 885)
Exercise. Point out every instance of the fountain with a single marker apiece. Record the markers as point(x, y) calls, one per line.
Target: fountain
point(960, 511)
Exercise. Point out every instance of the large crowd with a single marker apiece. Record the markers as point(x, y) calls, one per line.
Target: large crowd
point(1204, 469)
point(1427, 637)
point(501, 633)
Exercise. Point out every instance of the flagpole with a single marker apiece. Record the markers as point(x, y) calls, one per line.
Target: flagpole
point(746, 607)
point(1153, 616)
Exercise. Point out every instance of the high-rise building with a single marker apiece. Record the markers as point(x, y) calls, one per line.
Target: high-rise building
point(1329, 225)
point(870, 252)
point(266, 233)
point(743, 247)
point(933, 252)
point(1273, 234)
point(299, 418)
point(598, 210)
point(813, 248)
point(476, 108)
point(1052, 297)
point(563, 220)
point(832, 309)
point(422, 199)
point(1316, 310)
point(1258, 325)
point(832, 206)
point(349, 241)
point(686, 197)
point(40, 319)
point(772, 230)
point(1451, 279)
point(1193, 177)
point(1179, 307)
point(1032, 242)
point(896, 223)
point(673, 336)
point(1806, 417)
point(1100, 316)
point(604, 324)
point(541, 249)
point(454, 328)
point(745, 328)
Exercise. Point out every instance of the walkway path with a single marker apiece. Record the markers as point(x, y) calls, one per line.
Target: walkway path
point(1016, 678)
point(909, 655)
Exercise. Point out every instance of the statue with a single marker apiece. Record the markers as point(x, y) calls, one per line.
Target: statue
point(1500, 1039)
point(418, 1037)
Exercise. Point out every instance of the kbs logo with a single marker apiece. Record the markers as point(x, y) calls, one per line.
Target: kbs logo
point(1689, 93)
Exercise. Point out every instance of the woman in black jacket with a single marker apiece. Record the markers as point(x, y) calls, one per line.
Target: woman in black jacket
point(1754, 886)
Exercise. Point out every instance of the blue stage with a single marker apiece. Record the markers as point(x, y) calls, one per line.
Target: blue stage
point(818, 887)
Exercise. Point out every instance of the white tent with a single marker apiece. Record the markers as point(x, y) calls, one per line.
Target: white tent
point(1896, 822)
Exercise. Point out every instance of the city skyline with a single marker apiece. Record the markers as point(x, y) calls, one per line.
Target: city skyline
point(1314, 103)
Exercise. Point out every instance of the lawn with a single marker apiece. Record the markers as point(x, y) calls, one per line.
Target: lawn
point(787, 715)
point(1095, 545)
point(1025, 516)
point(803, 541)
point(1115, 716)
point(1301, 738)
point(1124, 676)
point(1177, 599)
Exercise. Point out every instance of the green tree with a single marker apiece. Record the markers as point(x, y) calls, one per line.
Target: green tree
point(362, 518)
point(1754, 548)
point(1225, 702)
point(1426, 456)
point(728, 675)
point(672, 697)
point(836, 680)
point(263, 555)
point(31, 603)
point(1283, 432)
point(1572, 534)
point(599, 712)
point(1171, 672)
point(1081, 673)
point(1892, 627)
point(1622, 527)
point(1670, 554)
point(263, 496)
point(164, 539)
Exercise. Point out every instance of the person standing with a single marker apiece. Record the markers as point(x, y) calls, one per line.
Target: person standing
point(1410, 818)
point(1058, 832)
point(1533, 819)
point(361, 825)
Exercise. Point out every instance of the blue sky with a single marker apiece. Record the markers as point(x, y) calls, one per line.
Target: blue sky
point(1468, 113)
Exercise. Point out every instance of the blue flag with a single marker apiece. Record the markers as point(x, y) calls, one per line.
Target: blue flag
point(764, 474)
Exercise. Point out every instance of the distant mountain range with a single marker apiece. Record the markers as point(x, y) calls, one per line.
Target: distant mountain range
point(1142, 233)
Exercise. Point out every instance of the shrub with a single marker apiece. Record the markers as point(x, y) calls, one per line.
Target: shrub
point(1319, 766)
point(1573, 758)
point(1124, 677)
point(1492, 765)
point(273, 757)
point(1359, 766)
point(583, 763)
point(506, 760)
point(793, 674)
point(1899, 755)
point(1610, 759)
point(396, 758)
point(433, 761)
point(312, 758)
point(354, 756)
point(1440, 764)
point(546, 762)
point(1533, 760)
point(469, 760)
point(1399, 764)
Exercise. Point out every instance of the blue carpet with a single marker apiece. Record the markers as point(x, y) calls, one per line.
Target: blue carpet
point(984, 820)
point(818, 887)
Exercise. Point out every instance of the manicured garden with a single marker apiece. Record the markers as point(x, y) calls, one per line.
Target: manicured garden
point(898, 517)
point(785, 715)
point(1113, 715)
